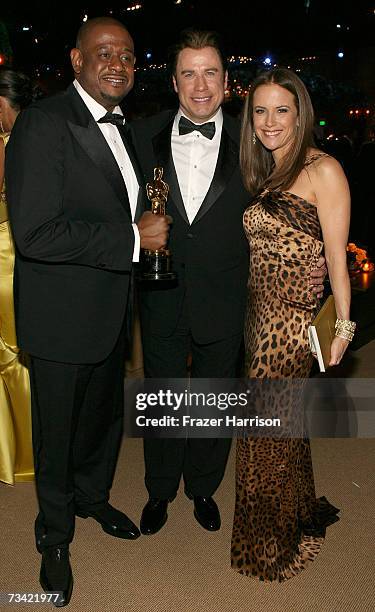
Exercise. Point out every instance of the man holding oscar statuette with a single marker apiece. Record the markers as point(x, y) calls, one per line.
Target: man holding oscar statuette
point(201, 314)
point(74, 201)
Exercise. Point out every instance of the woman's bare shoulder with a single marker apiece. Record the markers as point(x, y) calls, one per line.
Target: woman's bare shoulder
point(323, 165)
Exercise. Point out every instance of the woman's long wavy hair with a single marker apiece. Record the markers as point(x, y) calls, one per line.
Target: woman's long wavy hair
point(257, 164)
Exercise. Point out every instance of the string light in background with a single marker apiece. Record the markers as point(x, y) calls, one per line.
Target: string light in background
point(134, 7)
point(358, 112)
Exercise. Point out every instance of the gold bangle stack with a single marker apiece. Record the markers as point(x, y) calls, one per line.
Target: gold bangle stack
point(345, 329)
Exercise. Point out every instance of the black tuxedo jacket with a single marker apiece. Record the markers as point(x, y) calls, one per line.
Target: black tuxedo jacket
point(211, 255)
point(72, 226)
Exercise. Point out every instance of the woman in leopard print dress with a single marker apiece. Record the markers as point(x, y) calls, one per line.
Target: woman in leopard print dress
point(301, 205)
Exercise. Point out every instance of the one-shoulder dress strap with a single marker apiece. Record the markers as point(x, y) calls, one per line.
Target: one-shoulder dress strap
point(314, 157)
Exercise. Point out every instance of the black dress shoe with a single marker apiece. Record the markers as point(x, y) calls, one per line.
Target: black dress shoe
point(207, 513)
point(154, 515)
point(56, 574)
point(113, 521)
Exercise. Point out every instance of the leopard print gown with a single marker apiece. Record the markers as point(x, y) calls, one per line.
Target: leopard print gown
point(279, 525)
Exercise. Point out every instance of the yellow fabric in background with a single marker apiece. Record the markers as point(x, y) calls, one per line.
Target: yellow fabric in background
point(16, 457)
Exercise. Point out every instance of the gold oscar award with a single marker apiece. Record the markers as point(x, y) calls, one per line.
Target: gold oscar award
point(156, 265)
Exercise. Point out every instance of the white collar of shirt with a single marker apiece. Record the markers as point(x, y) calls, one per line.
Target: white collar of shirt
point(97, 110)
point(217, 119)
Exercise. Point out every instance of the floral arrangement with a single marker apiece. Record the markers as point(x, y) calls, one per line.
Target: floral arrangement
point(358, 259)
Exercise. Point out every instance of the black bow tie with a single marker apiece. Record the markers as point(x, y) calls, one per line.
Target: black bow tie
point(207, 129)
point(113, 118)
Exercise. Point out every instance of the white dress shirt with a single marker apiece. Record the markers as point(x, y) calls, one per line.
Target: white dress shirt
point(195, 159)
point(115, 143)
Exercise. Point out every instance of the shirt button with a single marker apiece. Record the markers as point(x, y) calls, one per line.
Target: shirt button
point(190, 235)
point(195, 166)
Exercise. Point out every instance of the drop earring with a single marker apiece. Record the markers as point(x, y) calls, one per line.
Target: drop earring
point(254, 138)
point(1, 126)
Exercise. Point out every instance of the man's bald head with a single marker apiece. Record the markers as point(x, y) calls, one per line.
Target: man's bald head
point(88, 26)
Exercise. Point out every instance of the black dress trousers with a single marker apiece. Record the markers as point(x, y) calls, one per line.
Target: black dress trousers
point(201, 461)
point(77, 415)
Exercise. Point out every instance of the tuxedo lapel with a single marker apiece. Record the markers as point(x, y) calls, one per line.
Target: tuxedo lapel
point(163, 154)
point(127, 139)
point(94, 144)
point(86, 131)
point(226, 164)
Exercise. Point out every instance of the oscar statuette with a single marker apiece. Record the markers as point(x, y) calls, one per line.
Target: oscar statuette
point(156, 265)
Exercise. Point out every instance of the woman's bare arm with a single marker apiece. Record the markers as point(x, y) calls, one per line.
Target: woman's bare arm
point(333, 205)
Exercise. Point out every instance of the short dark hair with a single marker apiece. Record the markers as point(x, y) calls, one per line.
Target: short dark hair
point(90, 23)
point(17, 88)
point(191, 38)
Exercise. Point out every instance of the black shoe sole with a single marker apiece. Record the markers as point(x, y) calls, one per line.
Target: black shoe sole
point(121, 534)
point(150, 531)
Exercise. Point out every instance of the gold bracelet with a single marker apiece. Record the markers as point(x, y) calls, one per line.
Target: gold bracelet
point(345, 329)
